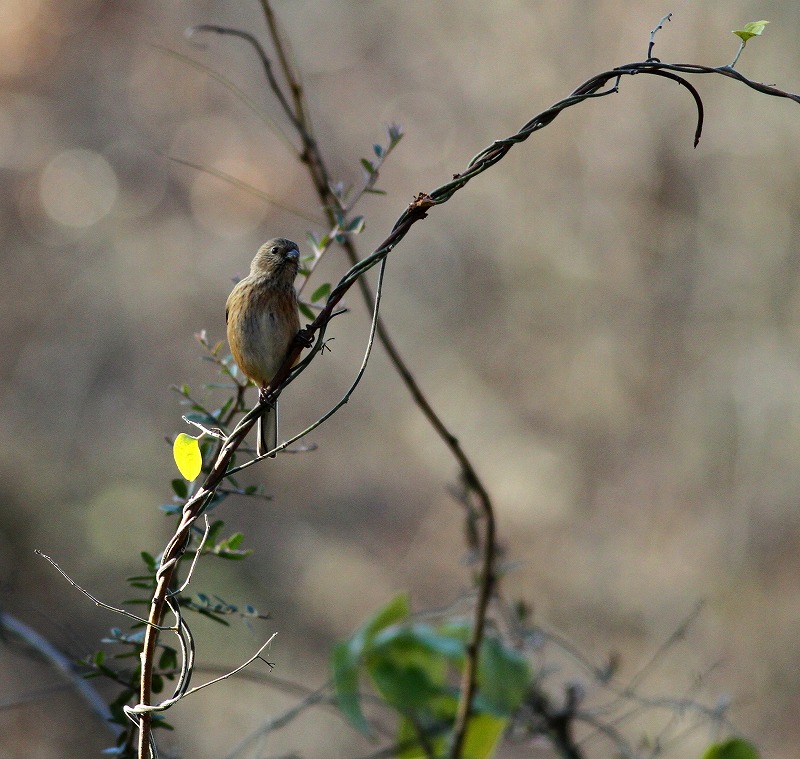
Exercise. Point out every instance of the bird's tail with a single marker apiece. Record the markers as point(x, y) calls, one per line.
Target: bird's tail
point(267, 431)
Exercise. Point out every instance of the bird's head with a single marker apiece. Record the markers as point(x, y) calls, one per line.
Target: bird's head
point(278, 257)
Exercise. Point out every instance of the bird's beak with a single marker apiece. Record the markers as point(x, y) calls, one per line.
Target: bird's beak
point(293, 254)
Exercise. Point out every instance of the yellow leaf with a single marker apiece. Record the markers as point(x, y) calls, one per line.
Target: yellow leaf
point(186, 452)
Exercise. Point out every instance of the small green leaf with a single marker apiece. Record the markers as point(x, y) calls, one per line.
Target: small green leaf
point(234, 541)
point(378, 150)
point(306, 311)
point(179, 488)
point(214, 531)
point(188, 458)
point(168, 659)
point(733, 748)
point(753, 29)
point(356, 226)
point(368, 167)
point(321, 292)
point(345, 683)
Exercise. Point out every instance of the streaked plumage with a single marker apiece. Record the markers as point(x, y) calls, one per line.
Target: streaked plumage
point(263, 320)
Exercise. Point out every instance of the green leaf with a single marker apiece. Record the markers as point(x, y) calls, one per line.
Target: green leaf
point(345, 683)
point(405, 687)
point(186, 452)
point(408, 739)
point(168, 659)
point(321, 292)
point(503, 677)
point(732, 748)
point(417, 643)
point(397, 610)
point(306, 311)
point(180, 488)
point(234, 541)
point(356, 226)
point(483, 734)
point(753, 29)
point(368, 167)
point(214, 531)
point(346, 658)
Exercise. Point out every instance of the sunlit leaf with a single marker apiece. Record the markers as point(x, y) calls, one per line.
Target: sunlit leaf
point(733, 748)
point(483, 733)
point(753, 29)
point(188, 459)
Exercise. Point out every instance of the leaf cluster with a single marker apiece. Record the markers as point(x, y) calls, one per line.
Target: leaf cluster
point(414, 666)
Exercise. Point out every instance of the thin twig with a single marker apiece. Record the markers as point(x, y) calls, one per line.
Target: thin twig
point(678, 634)
point(276, 723)
point(95, 601)
point(653, 33)
point(167, 703)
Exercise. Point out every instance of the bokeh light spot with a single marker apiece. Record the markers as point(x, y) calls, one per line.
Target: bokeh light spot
point(78, 188)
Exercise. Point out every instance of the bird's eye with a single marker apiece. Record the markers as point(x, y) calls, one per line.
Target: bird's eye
point(274, 250)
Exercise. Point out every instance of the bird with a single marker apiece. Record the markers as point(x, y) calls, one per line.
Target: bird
point(262, 321)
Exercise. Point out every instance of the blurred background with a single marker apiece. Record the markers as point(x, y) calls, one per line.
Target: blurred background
point(609, 320)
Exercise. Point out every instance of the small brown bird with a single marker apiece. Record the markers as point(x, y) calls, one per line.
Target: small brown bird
point(263, 320)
